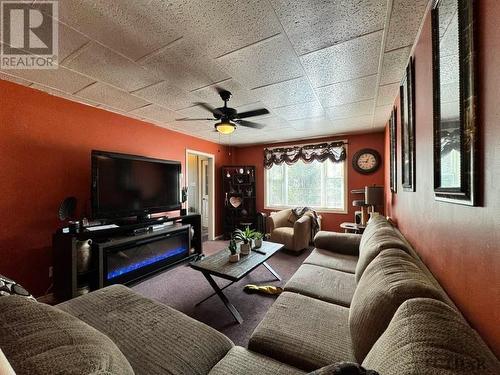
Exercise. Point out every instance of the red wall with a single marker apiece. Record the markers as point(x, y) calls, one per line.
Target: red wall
point(459, 244)
point(45, 146)
point(254, 155)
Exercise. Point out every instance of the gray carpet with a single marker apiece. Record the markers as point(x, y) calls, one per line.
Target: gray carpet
point(182, 287)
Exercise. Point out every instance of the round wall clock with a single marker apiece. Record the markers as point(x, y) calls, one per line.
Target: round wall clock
point(366, 161)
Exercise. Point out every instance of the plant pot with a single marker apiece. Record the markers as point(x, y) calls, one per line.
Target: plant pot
point(233, 258)
point(245, 248)
point(257, 243)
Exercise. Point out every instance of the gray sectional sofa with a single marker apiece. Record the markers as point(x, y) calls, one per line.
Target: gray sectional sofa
point(367, 299)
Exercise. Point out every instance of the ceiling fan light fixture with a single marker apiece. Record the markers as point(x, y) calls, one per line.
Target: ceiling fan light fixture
point(225, 127)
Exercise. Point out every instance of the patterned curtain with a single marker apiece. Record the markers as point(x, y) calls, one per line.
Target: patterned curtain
point(334, 151)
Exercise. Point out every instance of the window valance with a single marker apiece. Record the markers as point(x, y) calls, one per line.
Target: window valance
point(334, 151)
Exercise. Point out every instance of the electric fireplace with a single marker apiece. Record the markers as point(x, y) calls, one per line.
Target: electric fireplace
point(137, 258)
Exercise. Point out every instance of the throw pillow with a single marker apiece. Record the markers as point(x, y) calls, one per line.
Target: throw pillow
point(9, 287)
point(343, 368)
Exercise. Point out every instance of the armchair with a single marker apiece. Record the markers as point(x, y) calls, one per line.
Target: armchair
point(294, 234)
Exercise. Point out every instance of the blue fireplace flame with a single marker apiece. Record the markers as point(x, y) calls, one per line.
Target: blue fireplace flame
point(146, 262)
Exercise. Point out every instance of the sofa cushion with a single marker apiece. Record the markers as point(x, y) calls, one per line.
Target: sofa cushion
point(335, 261)
point(155, 338)
point(323, 283)
point(304, 332)
point(427, 336)
point(241, 361)
point(385, 237)
point(392, 278)
point(40, 339)
point(283, 235)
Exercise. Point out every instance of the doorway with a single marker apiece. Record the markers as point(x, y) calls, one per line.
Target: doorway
point(200, 180)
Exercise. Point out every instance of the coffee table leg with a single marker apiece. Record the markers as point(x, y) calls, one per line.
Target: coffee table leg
point(214, 294)
point(224, 299)
point(275, 274)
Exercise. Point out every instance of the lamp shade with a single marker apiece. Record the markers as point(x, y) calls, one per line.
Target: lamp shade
point(374, 195)
point(225, 127)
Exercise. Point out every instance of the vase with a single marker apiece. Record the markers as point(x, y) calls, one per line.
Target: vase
point(233, 258)
point(245, 248)
point(83, 255)
point(257, 243)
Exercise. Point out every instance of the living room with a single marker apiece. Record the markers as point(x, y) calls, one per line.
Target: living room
point(355, 140)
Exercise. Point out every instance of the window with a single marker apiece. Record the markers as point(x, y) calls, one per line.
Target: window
point(319, 185)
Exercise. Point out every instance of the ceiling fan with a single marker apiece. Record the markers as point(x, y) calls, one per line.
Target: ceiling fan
point(229, 117)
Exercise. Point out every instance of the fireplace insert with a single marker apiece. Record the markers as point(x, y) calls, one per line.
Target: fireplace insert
point(132, 260)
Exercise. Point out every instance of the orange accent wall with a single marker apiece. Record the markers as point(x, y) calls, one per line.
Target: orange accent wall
point(45, 145)
point(459, 244)
point(254, 155)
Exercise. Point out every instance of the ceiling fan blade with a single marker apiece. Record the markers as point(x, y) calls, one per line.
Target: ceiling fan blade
point(255, 112)
point(209, 108)
point(195, 119)
point(249, 124)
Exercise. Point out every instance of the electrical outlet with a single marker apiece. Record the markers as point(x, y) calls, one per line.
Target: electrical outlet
point(51, 271)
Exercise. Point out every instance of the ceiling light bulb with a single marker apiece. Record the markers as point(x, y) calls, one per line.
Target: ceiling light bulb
point(225, 127)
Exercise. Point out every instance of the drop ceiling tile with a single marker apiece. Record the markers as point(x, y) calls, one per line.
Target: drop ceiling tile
point(352, 59)
point(394, 65)
point(405, 21)
point(300, 111)
point(14, 79)
point(382, 115)
point(70, 41)
point(184, 65)
point(108, 66)
point(63, 95)
point(224, 26)
point(111, 97)
point(61, 78)
point(364, 108)
point(312, 25)
point(387, 94)
point(273, 123)
point(156, 113)
point(348, 92)
point(290, 92)
point(355, 124)
point(133, 28)
point(269, 61)
point(167, 95)
point(240, 96)
point(195, 111)
point(312, 124)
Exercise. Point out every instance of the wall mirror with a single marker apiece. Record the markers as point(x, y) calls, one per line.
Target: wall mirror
point(455, 128)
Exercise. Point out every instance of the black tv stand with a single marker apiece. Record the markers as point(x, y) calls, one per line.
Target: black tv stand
point(69, 282)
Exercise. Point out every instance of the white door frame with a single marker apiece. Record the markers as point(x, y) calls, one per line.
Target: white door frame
point(211, 187)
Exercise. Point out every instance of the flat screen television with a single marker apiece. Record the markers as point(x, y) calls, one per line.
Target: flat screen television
point(128, 185)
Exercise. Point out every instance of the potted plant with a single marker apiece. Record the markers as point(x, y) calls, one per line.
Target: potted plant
point(245, 237)
point(234, 257)
point(257, 239)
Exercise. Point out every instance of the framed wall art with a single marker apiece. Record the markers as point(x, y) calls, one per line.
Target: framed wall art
point(407, 99)
point(455, 102)
point(393, 151)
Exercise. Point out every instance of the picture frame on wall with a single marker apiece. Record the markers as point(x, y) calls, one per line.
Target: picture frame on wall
point(393, 151)
point(456, 166)
point(407, 101)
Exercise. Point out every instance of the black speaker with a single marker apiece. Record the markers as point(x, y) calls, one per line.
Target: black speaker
point(183, 212)
point(357, 217)
point(67, 209)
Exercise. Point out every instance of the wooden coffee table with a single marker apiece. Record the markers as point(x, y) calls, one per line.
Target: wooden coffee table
point(218, 265)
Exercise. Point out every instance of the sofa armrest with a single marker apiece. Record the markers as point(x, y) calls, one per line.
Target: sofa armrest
point(302, 232)
point(342, 243)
